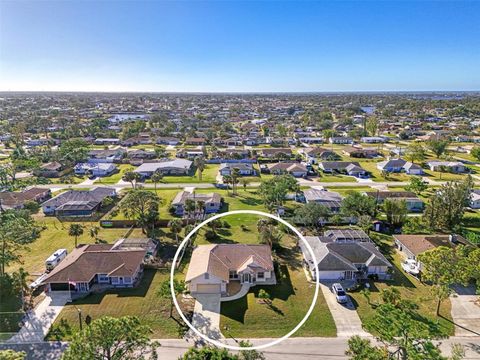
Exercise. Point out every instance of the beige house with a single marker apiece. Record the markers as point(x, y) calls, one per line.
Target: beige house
point(213, 267)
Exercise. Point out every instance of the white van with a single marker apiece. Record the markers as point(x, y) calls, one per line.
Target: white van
point(55, 259)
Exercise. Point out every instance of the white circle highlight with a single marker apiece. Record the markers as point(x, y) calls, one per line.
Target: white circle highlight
point(232, 347)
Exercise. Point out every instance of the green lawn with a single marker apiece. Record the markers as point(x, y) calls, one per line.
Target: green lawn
point(141, 301)
point(114, 178)
point(409, 287)
point(291, 298)
point(208, 176)
point(55, 236)
point(334, 178)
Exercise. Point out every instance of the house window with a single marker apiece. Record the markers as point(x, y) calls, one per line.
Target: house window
point(233, 275)
point(260, 275)
point(207, 276)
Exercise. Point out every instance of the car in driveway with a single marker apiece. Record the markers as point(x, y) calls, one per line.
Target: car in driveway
point(340, 294)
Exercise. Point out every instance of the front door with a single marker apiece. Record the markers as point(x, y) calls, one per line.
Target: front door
point(348, 275)
point(247, 278)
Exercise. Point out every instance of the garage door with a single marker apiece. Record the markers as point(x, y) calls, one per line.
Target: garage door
point(208, 289)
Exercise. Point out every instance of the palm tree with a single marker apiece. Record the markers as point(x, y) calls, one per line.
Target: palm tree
point(235, 175)
point(75, 230)
point(175, 226)
point(227, 179)
point(189, 207)
point(94, 233)
point(156, 178)
point(245, 183)
point(199, 163)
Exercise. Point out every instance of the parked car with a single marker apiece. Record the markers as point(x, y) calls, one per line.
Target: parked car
point(340, 294)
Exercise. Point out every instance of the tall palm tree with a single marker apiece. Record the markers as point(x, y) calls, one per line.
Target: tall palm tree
point(235, 175)
point(199, 163)
point(175, 226)
point(75, 230)
point(227, 179)
point(189, 207)
point(156, 178)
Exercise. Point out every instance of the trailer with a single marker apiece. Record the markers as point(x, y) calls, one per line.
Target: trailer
point(55, 259)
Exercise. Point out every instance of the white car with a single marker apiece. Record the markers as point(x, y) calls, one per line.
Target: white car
point(340, 294)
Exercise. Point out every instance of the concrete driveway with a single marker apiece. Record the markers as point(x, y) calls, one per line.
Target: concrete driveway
point(346, 319)
point(466, 311)
point(38, 322)
point(206, 316)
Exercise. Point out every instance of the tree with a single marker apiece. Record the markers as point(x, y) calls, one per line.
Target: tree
point(132, 177)
point(355, 204)
point(475, 152)
point(417, 185)
point(235, 175)
point(199, 163)
point(446, 207)
point(269, 232)
point(109, 338)
point(312, 214)
point(94, 232)
point(365, 223)
point(175, 226)
point(189, 207)
point(17, 229)
point(165, 293)
point(396, 211)
point(441, 267)
point(372, 125)
point(208, 352)
point(141, 205)
point(244, 183)
point(437, 146)
point(415, 152)
point(75, 230)
point(274, 191)
point(249, 354)
point(12, 355)
point(156, 178)
point(73, 151)
point(362, 349)
point(227, 180)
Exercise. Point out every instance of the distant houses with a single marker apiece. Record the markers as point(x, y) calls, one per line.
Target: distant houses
point(95, 169)
point(73, 203)
point(170, 167)
point(293, 168)
point(413, 202)
point(244, 169)
point(17, 199)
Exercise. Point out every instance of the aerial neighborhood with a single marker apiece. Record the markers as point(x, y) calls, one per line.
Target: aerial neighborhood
point(99, 193)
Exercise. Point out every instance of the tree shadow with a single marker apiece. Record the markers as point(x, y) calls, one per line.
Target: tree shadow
point(460, 326)
point(235, 309)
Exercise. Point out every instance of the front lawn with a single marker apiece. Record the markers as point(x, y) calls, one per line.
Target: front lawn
point(209, 175)
point(409, 287)
point(142, 301)
point(114, 178)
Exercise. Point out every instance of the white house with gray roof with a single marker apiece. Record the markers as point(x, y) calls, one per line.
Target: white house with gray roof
point(171, 167)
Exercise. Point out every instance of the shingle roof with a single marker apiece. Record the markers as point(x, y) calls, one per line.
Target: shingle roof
point(80, 197)
point(219, 259)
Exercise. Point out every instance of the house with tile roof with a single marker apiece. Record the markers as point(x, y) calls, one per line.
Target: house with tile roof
point(212, 267)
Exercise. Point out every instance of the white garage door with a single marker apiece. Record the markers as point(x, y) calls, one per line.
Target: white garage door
point(208, 288)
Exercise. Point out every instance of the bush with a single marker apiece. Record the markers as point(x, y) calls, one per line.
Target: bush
point(210, 235)
point(226, 225)
point(31, 206)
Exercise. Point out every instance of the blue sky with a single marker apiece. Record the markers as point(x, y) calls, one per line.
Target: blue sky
point(239, 46)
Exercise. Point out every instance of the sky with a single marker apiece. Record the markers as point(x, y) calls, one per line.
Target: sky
point(233, 46)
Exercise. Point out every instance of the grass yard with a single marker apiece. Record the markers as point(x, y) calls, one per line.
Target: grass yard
point(444, 176)
point(208, 176)
point(290, 299)
point(409, 287)
point(114, 178)
point(334, 178)
point(55, 237)
point(141, 301)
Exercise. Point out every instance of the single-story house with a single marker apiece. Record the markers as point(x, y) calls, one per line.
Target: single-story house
point(351, 168)
point(107, 141)
point(212, 201)
point(106, 156)
point(475, 199)
point(141, 154)
point(340, 140)
point(293, 168)
point(17, 200)
point(50, 170)
point(167, 140)
point(96, 265)
point(413, 245)
point(451, 166)
point(77, 202)
point(231, 154)
point(213, 267)
point(373, 139)
point(95, 169)
point(195, 141)
point(272, 153)
point(244, 169)
point(170, 167)
point(312, 154)
point(344, 260)
point(361, 152)
point(414, 203)
point(345, 235)
point(330, 199)
point(399, 165)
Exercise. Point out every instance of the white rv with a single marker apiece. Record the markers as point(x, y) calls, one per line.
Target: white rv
point(55, 259)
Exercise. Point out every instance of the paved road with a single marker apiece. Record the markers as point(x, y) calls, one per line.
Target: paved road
point(290, 349)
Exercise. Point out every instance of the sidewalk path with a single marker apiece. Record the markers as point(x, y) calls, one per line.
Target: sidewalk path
point(206, 316)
